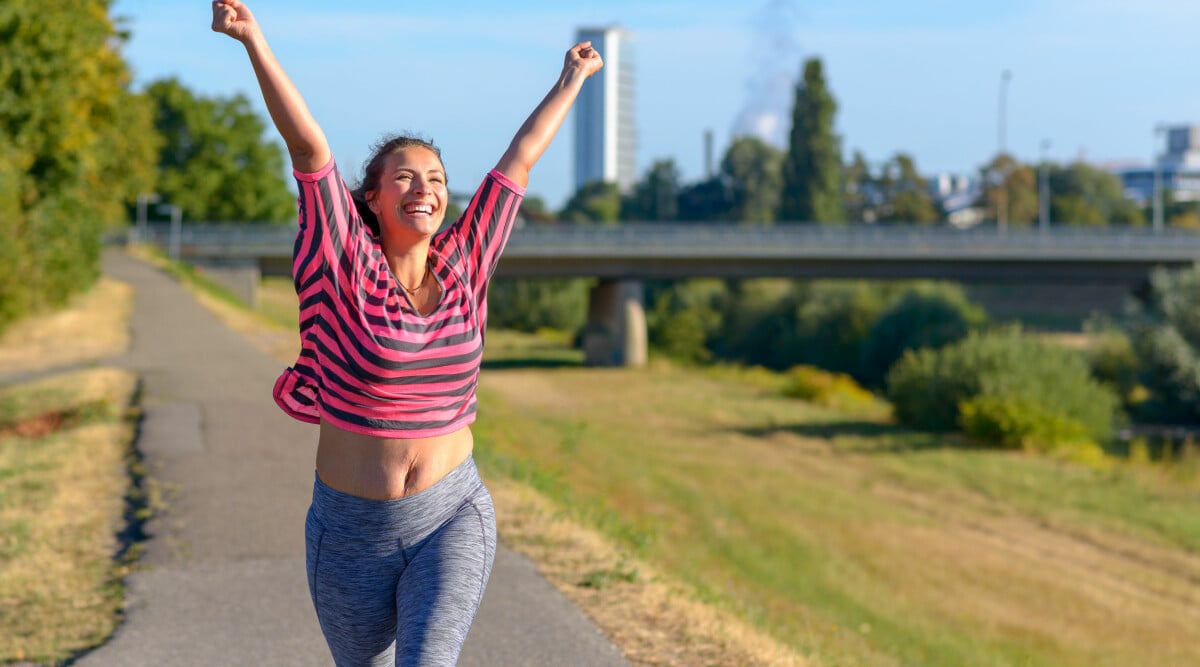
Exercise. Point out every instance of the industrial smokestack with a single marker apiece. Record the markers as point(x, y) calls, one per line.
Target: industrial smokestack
point(708, 153)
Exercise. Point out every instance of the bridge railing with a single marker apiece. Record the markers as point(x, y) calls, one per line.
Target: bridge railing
point(640, 240)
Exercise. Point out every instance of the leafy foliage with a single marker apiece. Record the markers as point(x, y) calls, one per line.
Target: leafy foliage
point(1165, 333)
point(656, 196)
point(529, 305)
point(596, 201)
point(1086, 195)
point(76, 146)
point(214, 162)
point(926, 315)
point(834, 390)
point(928, 388)
point(752, 170)
point(812, 169)
point(684, 316)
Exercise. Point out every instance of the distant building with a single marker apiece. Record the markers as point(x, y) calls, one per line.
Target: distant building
point(1178, 168)
point(959, 197)
point(605, 135)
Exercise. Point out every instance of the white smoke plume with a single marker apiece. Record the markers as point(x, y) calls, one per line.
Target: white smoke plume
point(774, 64)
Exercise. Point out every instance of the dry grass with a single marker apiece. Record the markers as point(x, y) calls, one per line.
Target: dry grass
point(93, 326)
point(64, 446)
point(652, 618)
point(62, 500)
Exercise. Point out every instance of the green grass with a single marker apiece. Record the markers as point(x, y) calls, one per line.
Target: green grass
point(855, 541)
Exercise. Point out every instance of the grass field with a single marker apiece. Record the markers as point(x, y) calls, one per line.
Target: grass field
point(65, 484)
point(854, 541)
point(842, 536)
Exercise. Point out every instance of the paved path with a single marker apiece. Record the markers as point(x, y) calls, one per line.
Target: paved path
point(222, 581)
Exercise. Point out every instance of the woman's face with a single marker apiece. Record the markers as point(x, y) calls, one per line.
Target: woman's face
point(411, 194)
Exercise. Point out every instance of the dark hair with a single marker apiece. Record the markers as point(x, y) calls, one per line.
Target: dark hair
point(373, 171)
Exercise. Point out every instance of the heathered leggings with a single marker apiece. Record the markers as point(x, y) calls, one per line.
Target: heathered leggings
point(400, 580)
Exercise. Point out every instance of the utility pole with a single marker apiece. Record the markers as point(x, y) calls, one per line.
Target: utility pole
point(1001, 131)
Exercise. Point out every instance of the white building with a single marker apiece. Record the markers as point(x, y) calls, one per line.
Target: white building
point(605, 135)
point(1177, 169)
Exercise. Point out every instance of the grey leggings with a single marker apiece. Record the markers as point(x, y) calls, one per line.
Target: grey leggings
point(400, 577)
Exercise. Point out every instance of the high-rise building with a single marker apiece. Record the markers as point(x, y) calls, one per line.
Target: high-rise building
point(605, 135)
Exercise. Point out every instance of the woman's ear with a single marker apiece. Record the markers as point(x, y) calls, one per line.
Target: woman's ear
point(369, 196)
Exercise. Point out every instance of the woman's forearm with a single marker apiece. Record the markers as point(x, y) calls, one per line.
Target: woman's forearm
point(539, 129)
point(304, 139)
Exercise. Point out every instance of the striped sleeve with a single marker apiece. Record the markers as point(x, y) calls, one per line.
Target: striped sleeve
point(330, 227)
point(482, 231)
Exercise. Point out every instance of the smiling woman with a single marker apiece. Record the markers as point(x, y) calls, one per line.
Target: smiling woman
point(401, 533)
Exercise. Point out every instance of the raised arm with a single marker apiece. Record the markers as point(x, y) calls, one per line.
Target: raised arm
point(304, 139)
point(539, 129)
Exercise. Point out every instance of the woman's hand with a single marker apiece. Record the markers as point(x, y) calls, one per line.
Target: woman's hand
point(584, 58)
point(233, 18)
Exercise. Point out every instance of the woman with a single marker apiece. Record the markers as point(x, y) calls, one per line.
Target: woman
point(401, 532)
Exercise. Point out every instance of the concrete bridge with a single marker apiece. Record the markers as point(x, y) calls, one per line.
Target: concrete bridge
point(1116, 259)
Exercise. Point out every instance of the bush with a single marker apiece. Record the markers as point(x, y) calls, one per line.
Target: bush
point(1165, 334)
point(926, 315)
point(529, 305)
point(928, 388)
point(834, 390)
point(1015, 422)
point(1114, 362)
point(684, 316)
point(832, 321)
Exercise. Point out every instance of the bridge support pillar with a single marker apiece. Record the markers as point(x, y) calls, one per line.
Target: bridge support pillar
point(241, 277)
point(615, 334)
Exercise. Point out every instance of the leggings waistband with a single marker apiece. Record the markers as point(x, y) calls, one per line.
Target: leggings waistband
point(408, 519)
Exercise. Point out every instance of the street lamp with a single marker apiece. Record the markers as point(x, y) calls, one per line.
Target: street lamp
point(1044, 189)
point(1157, 223)
point(1002, 204)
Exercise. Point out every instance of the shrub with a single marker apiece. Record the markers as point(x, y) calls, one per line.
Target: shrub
point(928, 388)
point(684, 316)
point(835, 390)
point(925, 315)
point(1114, 362)
point(529, 305)
point(832, 321)
point(1165, 333)
point(1015, 422)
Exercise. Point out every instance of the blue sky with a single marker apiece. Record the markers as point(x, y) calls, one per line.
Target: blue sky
point(924, 76)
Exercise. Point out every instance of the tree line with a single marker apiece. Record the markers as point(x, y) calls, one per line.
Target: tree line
point(78, 145)
point(810, 182)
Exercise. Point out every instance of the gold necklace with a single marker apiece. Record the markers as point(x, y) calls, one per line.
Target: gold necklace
point(418, 288)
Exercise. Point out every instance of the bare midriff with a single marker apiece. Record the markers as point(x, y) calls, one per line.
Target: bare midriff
point(384, 468)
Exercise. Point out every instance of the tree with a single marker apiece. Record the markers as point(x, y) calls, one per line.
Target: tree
point(534, 209)
point(904, 193)
point(1010, 185)
point(214, 162)
point(76, 146)
point(656, 196)
point(595, 201)
point(752, 171)
point(859, 196)
point(706, 201)
point(812, 169)
point(1085, 195)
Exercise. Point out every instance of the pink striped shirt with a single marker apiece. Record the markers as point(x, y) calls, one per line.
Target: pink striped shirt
point(369, 362)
